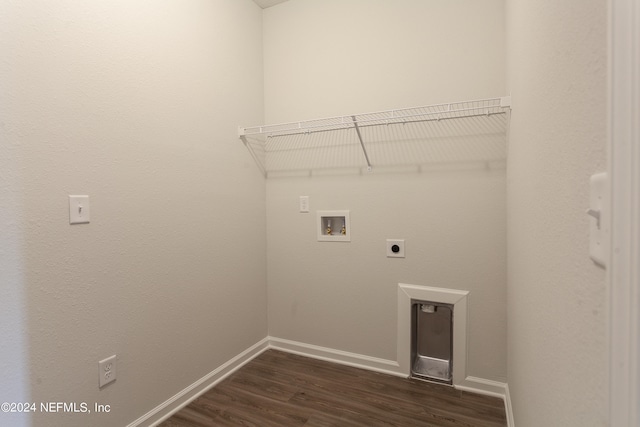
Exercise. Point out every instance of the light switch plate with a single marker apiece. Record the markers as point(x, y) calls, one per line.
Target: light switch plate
point(597, 227)
point(79, 210)
point(304, 204)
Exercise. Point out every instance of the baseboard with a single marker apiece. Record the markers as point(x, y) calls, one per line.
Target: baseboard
point(356, 360)
point(490, 388)
point(508, 408)
point(470, 384)
point(482, 386)
point(166, 409)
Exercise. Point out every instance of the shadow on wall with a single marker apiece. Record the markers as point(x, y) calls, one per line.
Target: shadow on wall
point(448, 144)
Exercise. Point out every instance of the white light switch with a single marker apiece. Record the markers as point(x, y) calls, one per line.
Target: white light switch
point(79, 209)
point(304, 204)
point(597, 227)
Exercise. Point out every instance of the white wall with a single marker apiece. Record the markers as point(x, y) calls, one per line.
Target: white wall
point(331, 57)
point(136, 104)
point(557, 63)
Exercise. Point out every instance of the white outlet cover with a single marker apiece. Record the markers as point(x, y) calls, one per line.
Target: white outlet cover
point(400, 248)
point(79, 210)
point(107, 371)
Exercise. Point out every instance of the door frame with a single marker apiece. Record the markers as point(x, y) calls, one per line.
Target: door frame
point(623, 271)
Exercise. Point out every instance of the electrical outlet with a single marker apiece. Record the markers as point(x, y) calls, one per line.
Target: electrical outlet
point(395, 248)
point(107, 370)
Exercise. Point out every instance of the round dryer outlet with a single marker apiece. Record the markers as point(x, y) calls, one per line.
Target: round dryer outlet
point(395, 248)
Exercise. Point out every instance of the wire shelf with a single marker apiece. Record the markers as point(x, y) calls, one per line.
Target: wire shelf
point(384, 137)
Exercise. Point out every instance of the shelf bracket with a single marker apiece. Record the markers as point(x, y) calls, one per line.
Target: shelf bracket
point(243, 137)
point(364, 150)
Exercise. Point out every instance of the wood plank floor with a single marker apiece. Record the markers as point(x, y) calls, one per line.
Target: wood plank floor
point(282, 389)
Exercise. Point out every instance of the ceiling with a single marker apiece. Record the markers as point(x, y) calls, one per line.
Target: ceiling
point(268, 3)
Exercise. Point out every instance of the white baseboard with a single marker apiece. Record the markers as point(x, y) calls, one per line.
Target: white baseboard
point(356, 360)
point(163, 411)
point(390, 367)
point(470, 384)
point(490, 388)
point(508, 408)
point(482, 386)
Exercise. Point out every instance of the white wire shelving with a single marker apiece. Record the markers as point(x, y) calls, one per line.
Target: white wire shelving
point(269, 143)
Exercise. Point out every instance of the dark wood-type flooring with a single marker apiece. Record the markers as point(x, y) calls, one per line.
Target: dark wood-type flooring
point(282, 389)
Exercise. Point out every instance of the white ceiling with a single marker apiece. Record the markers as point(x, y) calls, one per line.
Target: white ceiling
point(268, 3)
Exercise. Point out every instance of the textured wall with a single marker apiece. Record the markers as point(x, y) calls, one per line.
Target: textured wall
point(330, 57)
point(557, 64)
point(136, 104)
